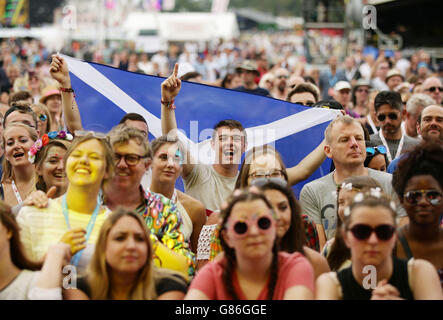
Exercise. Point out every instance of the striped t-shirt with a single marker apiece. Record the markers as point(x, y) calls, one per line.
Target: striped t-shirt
point(41, 228)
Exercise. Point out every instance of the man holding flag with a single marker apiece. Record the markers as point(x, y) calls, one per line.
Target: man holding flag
point(212, 184)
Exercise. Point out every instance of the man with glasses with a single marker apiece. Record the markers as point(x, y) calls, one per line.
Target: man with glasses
point(280, 87)
point(389, 111)
point(305, 94)
point(433, 87)
point(132, 158)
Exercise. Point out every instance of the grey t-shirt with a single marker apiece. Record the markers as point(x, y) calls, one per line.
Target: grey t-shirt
point(393, 144)
point(318, 199)
point(206, 185)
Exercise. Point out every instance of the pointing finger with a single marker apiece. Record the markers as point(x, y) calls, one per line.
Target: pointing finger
point(175, 73)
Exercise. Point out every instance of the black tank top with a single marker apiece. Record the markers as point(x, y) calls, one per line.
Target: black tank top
point(352, 290)
point(409, 255)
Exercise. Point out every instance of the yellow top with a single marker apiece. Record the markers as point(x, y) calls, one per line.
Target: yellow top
point(42, 227)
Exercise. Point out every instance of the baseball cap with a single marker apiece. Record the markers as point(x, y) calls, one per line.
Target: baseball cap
point(342, 85)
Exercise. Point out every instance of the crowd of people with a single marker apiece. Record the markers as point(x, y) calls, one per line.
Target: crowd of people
point(106, 204)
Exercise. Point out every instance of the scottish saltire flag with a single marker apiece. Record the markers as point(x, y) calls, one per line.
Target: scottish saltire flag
point(104, 94)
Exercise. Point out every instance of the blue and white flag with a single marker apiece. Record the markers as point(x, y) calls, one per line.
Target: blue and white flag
point(105, 94)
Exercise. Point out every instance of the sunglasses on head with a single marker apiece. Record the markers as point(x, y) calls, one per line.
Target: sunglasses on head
point(383, 232)
point(391, 115)
point(414, 196)
point(241, 227)
point(260, 182)
point(373, 150)
point(433, 89)
point(98, 135)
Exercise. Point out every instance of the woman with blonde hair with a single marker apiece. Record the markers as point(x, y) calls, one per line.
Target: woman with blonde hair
point(43, 118)
point(18, 173)
point(76, 217)
point(122, 266)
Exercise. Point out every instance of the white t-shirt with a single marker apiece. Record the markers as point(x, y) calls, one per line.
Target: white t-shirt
point(19, 288)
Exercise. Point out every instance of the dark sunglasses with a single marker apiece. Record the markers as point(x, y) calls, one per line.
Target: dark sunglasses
point(242, 227)
point(391, 115)
point(282, 77)
point(130, 159)
point(374, 150)
point(383, 232)
point(42, 117)
point(414, 196)
point(432, 89)
point(308, 104)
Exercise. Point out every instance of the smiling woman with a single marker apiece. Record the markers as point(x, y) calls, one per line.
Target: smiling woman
point(122, 266)
point(252, 267)
point(76, 217)
point(18, 172)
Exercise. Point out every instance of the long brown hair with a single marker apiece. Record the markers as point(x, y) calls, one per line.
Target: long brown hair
point(40, 157)
point(245, 196)
point(17, 252)
point(254, 153)
point(99, 270)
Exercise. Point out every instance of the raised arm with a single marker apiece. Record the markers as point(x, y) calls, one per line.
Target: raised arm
point(307, 166)
point(59, 71)
point(169, 91)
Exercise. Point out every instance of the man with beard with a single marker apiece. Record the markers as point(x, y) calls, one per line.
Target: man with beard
point(429, 126)
point(389, 111)
point(280, 88)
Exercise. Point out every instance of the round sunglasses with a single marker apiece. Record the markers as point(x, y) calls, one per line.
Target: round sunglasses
point(373, 150)
point(391, 115)
point(414, 196)
point(383, 232)
point(241, 227)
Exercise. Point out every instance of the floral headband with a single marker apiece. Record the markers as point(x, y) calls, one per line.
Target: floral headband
point(344, 186)
point(373, 192)
point(44, 140)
